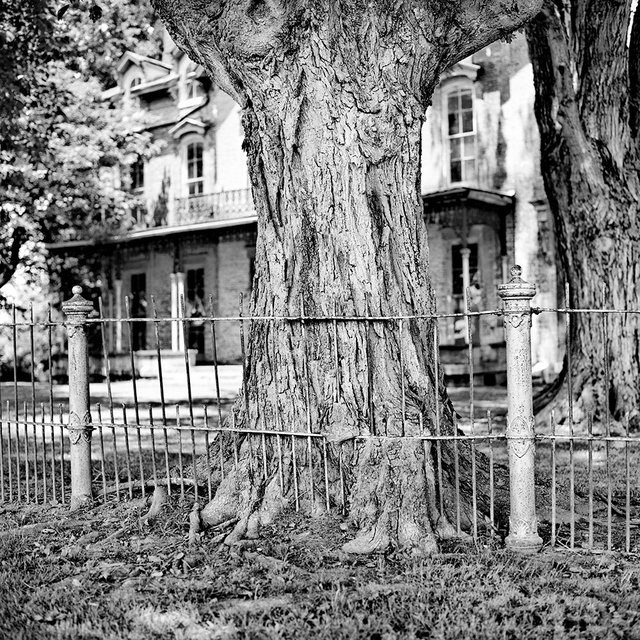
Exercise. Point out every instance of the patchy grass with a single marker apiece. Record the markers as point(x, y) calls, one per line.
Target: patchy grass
point(106, 574)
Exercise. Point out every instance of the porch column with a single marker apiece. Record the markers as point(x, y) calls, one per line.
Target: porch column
point(117, 285)
point(177, 293)
point(465, 252)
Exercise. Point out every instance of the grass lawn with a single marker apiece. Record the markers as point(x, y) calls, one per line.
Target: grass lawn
point(106, 574)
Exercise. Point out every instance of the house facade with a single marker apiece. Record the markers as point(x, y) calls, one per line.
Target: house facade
point(191, 243)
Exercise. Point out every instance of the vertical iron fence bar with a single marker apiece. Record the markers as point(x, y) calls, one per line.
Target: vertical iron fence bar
point(107, 374)
point(50, 365)
point(492, 505)
point(27, 474)
point(263, 444)
point(280, 473)
point(154, 468)
point(307, 404)
point(474, 488)
point(77, 310)
point(187, 365)
point(2, 430)
point(336, 398)
point(43, 419)
point(456, 472)
point(207, 445)
point(193, 461)
point(370, 402)
point(54, 491)
point(572, 496)
point(165, 435)
point(590, 475)
point(607, 413)
point(2, 488)
point(134, 382)
point(156, 330)
point(523, 524)
point(114, 439)
point(140, 459)
point(245, 389)
point(9, 452)
point(34, 433)
point(61, 434)
point(553, 481)
point(436, 375)
point(295, 473)
point(627, 505)
point(127, 449)
point(51, 414)
point(234, 429)
point(326, 475)
point(32, 352)
point(180, 461)
point(15, 398)
point(102, 460)
point(216, 373)
point(403, 393)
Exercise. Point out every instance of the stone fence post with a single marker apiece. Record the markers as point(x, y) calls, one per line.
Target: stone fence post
point(523, 525)
point(77, 310)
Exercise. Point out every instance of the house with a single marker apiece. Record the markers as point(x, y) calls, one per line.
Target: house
point(193, 238)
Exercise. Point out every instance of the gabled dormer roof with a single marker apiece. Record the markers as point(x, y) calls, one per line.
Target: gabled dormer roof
point(151, 68)
point(463, 68)
point(188, 125)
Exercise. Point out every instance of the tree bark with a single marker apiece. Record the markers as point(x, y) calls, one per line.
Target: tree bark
point(586, 105)
point(334, 96)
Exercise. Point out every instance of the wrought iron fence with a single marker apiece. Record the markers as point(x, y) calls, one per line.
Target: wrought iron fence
point(105, 439)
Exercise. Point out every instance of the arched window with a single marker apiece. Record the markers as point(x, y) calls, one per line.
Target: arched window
point(135, 82)
point(195, 169)
point(461, 135)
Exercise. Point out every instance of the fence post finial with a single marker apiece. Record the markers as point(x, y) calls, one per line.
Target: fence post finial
point(77, 310)
point(523, 525)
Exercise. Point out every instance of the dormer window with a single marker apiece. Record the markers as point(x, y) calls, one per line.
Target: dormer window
point(135, 82)
point(461, 135)
point(195, 169)
point(191, 88)
point(194, 89)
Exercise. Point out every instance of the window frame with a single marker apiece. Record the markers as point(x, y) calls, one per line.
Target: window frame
point(198, 179)
point(468, 139)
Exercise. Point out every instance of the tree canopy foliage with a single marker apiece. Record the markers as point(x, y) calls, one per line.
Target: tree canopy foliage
point(56, 134)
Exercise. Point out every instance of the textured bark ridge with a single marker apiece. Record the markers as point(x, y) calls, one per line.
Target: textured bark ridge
point(334, 96)
point(587, 96)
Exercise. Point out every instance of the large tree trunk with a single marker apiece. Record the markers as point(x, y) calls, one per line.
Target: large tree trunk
point(334, 96)
point(587, 110)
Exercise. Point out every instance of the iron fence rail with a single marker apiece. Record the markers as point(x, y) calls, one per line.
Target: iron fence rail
point(592, 495)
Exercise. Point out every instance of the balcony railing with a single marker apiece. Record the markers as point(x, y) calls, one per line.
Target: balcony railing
point(224, 205)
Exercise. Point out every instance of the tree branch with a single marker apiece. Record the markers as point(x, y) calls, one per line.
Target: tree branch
point(480, 23)
point(8, 267)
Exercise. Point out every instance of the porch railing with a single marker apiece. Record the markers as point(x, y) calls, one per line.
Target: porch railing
point(224, 205)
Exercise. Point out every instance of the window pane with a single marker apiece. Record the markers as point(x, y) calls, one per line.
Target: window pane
point(469, 147)
point(465, 99)
point(456, 171)
point(467, 121)
point(456, 144)
point(454, 123)
point(452, 103)
point(469, 169)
